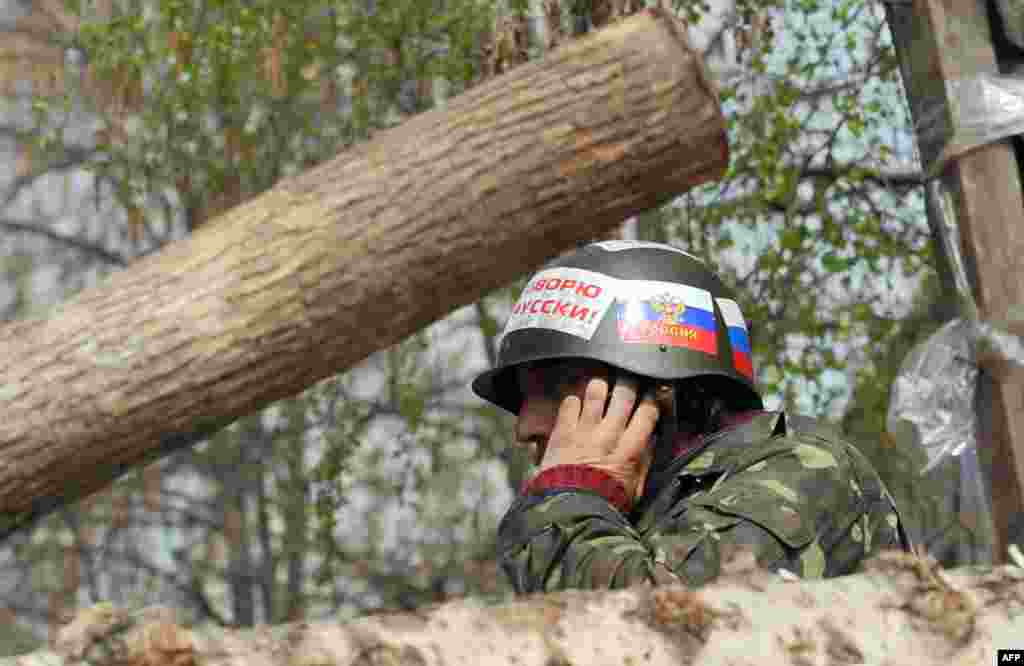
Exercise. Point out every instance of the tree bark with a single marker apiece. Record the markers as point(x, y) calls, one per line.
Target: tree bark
point(324, 269)
point(902, 611)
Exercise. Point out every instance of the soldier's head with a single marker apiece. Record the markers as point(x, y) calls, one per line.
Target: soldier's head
point(646, 311)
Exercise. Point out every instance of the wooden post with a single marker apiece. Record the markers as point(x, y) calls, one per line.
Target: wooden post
point(939, 41)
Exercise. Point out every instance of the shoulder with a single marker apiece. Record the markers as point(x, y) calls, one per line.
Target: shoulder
point(803, 483)
point(771, 437)
point(804, 467)
point(807, 431)
point(864, 491)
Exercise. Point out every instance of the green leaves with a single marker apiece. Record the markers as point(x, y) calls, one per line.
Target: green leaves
point(489, 326)
point(833, 263)
point(801, 185)
point(191, 75)
point(792, 239)
point(412, 403)
point(691, 10)
point(856, 125)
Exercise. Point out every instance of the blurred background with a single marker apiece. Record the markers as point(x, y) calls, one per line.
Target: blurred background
point(127, 125)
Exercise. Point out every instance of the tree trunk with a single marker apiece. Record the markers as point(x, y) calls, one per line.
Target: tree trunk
point(903, 611)
point(326, 268)
point(297, 502)
point(240, 566)
point(268, 562)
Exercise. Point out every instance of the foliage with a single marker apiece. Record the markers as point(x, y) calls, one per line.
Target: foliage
point(810, 159)
point(817, 173)
point(217, 101)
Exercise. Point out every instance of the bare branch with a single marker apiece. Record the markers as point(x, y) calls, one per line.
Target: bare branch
point(887, 178)
point(829, 90)
point(70, 241)
point(73, 157)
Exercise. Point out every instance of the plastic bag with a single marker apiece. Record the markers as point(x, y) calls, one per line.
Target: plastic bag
point(984, 108)
point(1012, 12)
point(935, 389)
point(934, 393)
point(932, 408)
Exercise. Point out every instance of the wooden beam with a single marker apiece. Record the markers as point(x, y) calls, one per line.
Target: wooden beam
point(939, 41)
point(993, 360)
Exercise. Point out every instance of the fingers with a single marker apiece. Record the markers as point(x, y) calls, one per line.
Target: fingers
point(594, 396)
point(637, 436)
point(621, 405)
point(568, 413)
point(646, 417)
point(620, 430)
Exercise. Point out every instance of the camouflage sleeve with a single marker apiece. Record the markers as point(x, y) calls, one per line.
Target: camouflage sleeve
point(810, 506)
point(570, 539)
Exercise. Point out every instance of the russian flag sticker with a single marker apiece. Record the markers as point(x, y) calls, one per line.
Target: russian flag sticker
point(664, 313)
point(739, 339)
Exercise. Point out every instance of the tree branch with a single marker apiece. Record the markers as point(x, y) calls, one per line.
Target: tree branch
point(70, 241)
point(73, 157)
point(489, 340)
point(887, 178)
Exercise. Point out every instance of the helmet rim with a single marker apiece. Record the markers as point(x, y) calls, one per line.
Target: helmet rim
point(638, 264)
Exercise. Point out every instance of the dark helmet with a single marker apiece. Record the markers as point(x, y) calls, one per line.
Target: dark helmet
point(647, 308)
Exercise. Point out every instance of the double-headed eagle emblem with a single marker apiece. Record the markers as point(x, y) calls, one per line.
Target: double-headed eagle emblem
point(671, 309)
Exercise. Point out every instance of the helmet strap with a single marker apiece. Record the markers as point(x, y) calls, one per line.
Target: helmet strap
point(668, 418)
point(691, 407)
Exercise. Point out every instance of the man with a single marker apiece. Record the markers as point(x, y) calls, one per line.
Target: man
point(628, 365)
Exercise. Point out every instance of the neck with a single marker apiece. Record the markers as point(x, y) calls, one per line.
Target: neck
point(686, 439)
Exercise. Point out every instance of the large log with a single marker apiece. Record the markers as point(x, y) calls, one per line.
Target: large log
point(346, 259)
point(903, 611)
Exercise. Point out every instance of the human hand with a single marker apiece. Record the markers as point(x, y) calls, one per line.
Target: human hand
point(612, 441)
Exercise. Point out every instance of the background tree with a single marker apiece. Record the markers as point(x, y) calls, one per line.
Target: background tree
point(52, 245)
point(228, 529)
point(381, 488)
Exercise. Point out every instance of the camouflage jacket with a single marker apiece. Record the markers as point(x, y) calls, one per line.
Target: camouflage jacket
point(788, 488)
